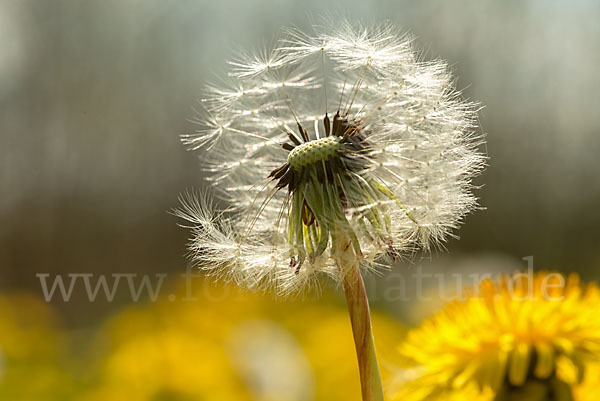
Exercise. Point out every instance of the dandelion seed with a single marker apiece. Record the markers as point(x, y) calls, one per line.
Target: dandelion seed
point(342, 134)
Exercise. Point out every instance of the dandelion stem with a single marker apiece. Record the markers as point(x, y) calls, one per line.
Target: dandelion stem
point(360, 318)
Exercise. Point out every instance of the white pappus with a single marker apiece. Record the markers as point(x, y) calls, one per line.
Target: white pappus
point(343, 133)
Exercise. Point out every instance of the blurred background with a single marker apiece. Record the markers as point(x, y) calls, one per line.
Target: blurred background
point(93, 97)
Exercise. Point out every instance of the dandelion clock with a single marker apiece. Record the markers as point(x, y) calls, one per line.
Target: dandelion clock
point(336, 151)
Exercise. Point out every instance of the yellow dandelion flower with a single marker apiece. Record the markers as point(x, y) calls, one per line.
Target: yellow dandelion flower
point(227, 344)
point(31, 345)
point(525, 337)
point(588, 390)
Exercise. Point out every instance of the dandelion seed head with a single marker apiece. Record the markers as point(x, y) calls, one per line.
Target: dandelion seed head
point(314, 151)
point(341, 133)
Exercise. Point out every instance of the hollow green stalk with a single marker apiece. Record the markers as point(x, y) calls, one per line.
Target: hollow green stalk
point(360, 319)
